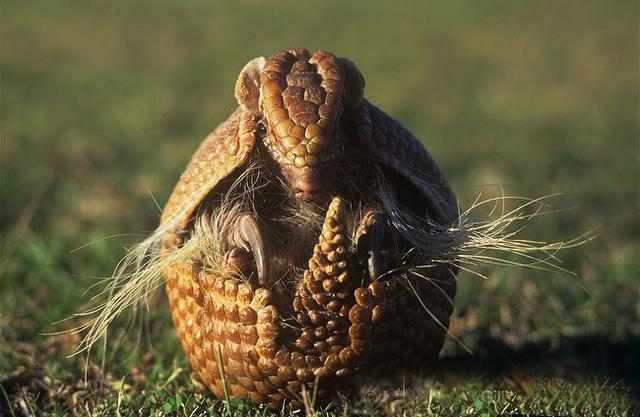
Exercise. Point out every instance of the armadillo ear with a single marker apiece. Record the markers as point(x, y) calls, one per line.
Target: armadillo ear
point(354, 85)
point(247, 89)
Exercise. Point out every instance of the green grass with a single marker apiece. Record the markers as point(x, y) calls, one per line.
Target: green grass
point(103, 103)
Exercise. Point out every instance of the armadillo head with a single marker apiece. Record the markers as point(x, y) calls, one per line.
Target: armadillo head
point(300, 99)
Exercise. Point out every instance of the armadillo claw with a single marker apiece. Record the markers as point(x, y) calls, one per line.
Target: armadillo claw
point(375, 241)
point(248, 236)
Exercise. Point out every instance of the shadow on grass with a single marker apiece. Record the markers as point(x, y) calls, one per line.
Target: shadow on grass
point(589, 375)
point(594, 355)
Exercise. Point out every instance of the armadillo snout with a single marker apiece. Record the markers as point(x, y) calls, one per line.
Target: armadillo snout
point(308, 195)
point(310, 184)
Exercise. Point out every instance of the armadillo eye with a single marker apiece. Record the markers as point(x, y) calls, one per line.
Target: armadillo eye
point(261, 129)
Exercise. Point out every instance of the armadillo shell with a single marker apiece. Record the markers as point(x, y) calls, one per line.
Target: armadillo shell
point(264, 345)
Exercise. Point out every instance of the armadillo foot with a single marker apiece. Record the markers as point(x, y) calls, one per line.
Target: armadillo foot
point(240, 260)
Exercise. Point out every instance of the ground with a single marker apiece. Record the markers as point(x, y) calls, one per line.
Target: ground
point(103, 103)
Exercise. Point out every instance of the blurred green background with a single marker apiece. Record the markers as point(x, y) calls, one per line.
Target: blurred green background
point(104, 102)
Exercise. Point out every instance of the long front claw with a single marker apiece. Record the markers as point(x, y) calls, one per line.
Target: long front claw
point(376, 242)
point(251, 239)
point(376, 264)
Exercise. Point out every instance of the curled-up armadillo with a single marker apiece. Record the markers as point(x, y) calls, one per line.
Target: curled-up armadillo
point(313, 216)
